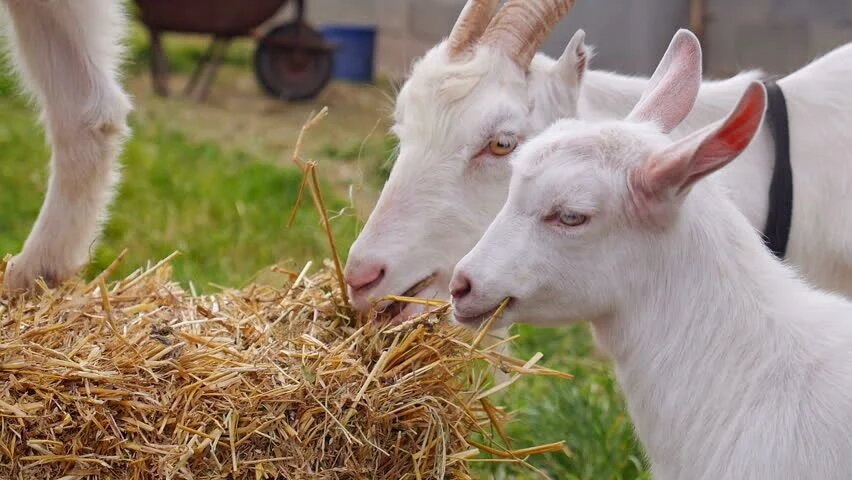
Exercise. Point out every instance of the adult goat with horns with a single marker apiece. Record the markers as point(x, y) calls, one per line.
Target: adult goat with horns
point(68, 52)
point(474, 98)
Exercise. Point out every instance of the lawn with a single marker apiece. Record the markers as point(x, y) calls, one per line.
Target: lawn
point(215, 182)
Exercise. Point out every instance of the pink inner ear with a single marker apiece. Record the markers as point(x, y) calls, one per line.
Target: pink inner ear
point(670, 102)
point(675, 169)
point(674, 86)
point(729, 140)
point(576, 55)
point(737, 131)
point(582, 60)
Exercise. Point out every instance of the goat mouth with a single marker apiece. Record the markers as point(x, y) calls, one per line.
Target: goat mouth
point(480, 318)
point(371, 285)
point(395, 308)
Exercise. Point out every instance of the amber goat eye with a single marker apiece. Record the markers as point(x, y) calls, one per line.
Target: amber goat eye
point(502, 145)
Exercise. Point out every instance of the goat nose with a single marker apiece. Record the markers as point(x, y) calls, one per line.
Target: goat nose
point(460, 287)
point(366, 276)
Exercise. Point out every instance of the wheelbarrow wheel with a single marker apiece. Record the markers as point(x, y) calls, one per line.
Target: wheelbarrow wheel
point(292, 62)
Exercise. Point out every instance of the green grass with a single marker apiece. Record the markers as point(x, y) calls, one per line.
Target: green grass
point(226, 213)
point(586, 412)
point(226, 210)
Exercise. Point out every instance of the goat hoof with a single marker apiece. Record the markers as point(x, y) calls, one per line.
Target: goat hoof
point(22, 274)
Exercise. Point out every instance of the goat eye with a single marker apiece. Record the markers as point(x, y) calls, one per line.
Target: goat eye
point(503, 145)
point(572, 219)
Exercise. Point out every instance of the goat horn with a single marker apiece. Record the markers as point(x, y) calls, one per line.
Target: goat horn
point(521, 26)
point(471, 24)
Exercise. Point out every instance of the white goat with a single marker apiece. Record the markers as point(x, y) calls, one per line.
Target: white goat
point(473, 98)
point(68, 53)
point(733, 367)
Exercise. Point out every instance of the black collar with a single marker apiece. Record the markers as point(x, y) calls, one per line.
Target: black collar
point(779, 218)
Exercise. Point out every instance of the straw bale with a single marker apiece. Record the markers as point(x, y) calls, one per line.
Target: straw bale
point(142, 380)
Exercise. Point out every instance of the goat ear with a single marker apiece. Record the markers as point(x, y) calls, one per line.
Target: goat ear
point(572, 65)
point(669, 174)
point(673, 88)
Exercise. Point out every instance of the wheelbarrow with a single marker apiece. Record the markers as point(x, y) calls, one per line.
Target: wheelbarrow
point(291, 61)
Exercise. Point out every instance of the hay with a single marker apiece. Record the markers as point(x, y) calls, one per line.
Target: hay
point(142, 380)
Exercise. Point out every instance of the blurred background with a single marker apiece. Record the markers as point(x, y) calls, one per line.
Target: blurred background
point(219, 104)
point(630, 35)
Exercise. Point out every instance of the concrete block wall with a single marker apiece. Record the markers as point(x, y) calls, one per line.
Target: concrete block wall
point(776, 35)
point(407, 28)
point(629, 35)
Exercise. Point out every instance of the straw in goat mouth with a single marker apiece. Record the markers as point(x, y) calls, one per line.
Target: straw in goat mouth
point(476, 319)
point(398, 302)
point(488, 315)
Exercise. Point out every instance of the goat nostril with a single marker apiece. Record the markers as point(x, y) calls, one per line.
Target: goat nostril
point(366, 277)
point(461, 287)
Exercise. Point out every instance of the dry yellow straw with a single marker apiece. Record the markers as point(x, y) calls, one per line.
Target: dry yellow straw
point(310, 171)
point(150, 382)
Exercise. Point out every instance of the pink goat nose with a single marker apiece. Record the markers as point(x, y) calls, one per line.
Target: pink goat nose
point(460, 287)
point(365, 276)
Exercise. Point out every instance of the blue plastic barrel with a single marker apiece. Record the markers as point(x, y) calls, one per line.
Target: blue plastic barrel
point(355, 51)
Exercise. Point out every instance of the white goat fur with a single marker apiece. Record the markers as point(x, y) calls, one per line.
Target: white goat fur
point(441, 196)
point(733, 367)
point(68, 54)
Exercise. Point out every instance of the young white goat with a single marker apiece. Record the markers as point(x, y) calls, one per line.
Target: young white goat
point(475, 97)
point(68, 53)
point(733, 367)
